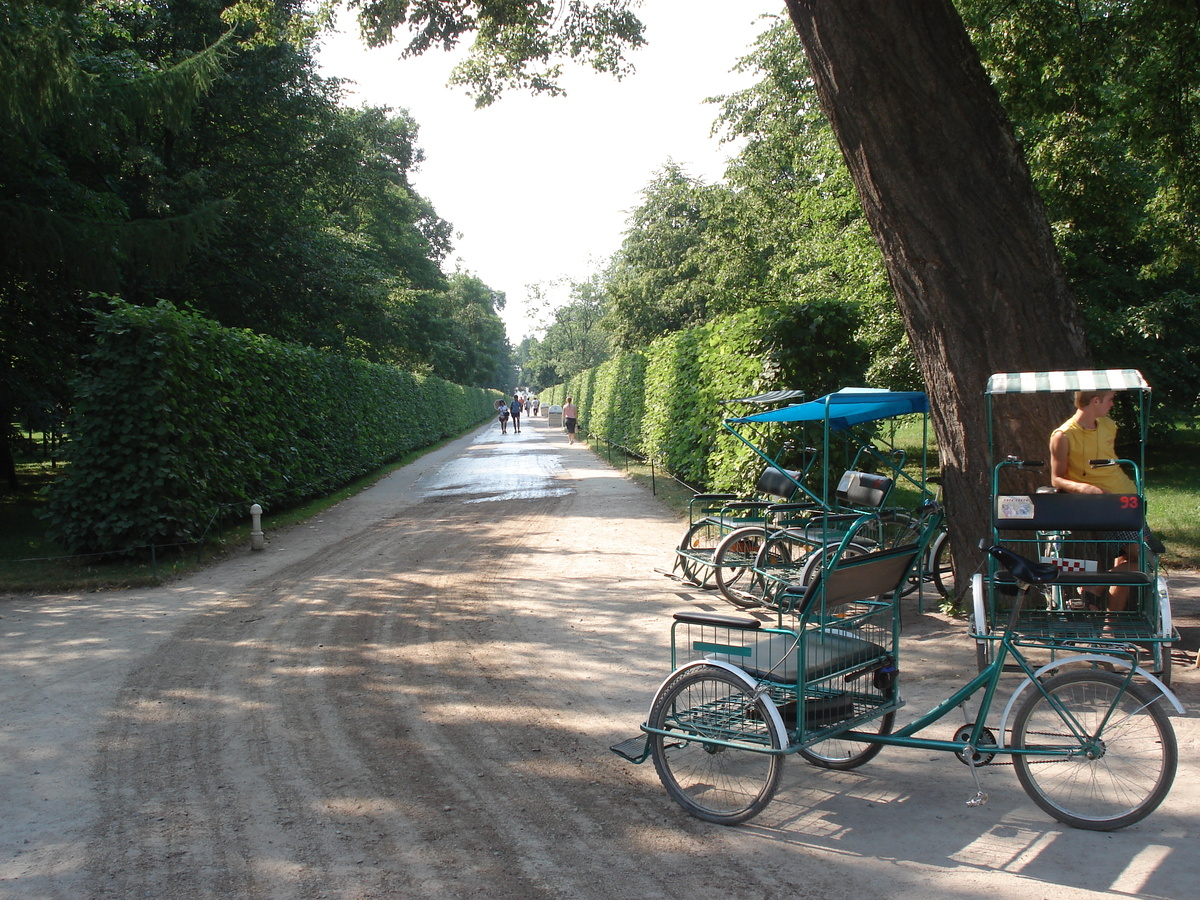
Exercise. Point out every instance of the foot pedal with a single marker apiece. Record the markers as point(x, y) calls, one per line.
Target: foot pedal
point(634, 749)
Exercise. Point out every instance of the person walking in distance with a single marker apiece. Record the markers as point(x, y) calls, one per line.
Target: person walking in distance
point(570, 417)
point(502, 414)
point(515, 409)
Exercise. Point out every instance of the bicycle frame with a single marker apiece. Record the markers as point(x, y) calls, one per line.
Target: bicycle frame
point(989, 680)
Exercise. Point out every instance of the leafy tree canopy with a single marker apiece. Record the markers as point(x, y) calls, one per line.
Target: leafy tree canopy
point(191, 153)
point(576, 339)
point(515, 44)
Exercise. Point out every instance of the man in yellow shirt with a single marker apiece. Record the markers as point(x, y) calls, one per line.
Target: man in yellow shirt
point(1090, 434)
point(1087, 435)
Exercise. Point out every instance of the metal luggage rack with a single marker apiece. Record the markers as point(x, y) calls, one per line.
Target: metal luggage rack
point(819, 667)
point(1048, 626)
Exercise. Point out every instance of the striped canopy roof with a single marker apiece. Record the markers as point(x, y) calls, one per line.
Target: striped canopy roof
point(769, 397)
point(1050, 382)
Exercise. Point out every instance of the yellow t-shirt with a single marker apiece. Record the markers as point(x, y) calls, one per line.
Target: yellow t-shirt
point(1095, 443)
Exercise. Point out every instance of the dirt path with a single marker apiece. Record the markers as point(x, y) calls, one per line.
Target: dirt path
point(414, 696)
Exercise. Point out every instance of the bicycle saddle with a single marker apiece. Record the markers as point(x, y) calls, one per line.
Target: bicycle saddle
point(1023, 569)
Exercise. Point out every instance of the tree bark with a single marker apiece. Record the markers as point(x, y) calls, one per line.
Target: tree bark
point(8, 465)
point(964, 235)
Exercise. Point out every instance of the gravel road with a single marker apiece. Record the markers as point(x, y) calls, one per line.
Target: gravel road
point(413, 696)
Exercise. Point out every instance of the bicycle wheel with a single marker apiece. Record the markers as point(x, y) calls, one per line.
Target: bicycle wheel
point(941, 567)
point(696, 551)
point(726, 785)
point(1123, 767)
point(896, 530)
point(733, 565)
point(816, 560)
point(842, 753)
point(780, 563)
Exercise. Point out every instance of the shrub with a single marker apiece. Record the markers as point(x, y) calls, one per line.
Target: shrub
point(179, 422)
point(667, 402)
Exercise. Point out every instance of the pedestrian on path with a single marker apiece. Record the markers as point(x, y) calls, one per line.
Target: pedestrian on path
point(515, 409)
point(570, 417)
point(502, 413)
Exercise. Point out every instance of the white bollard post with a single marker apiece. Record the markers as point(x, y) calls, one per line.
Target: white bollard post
point(257, 540)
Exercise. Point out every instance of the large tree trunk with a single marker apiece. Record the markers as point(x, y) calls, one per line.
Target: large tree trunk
point(8, 465)
point(964, 235)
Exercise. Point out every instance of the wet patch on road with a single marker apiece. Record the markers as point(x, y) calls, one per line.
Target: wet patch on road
point(492, 471)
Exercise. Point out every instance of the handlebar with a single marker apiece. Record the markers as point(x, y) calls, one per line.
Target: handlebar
point(1019, 463)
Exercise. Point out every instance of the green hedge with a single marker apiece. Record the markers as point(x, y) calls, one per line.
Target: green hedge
point(179, 422)
point(666, 402)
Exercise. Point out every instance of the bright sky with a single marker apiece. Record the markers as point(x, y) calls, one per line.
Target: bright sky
point(540, 188)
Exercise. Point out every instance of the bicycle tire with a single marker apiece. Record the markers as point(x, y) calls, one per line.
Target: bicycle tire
point(1161, 656)
point(897, 530)
point(1123, 777)
point(843, 754)
point(720, 784)
point(780, 563)
point(941, 567)
point(816, 560)
point(983, 654)
point(700, 540)
point(733, 565)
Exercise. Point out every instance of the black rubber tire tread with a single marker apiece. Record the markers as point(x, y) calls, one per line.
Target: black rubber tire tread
point(733, 565)
point(941, 567)
point(1164, 673)
point(699, 537)
point(1120, 786)
point(983, 654)
point(724, 785)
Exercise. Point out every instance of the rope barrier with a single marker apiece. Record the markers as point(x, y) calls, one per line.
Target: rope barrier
point(630, 452)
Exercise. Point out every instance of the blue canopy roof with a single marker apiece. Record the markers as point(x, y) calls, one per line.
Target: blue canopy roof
point(846, 408)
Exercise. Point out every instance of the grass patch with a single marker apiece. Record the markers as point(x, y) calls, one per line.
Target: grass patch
point(674, 494)
point(1173, 498)
point(30, 563)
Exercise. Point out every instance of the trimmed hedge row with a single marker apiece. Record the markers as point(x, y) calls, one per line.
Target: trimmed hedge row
point(666, 402)
point(179, 421)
